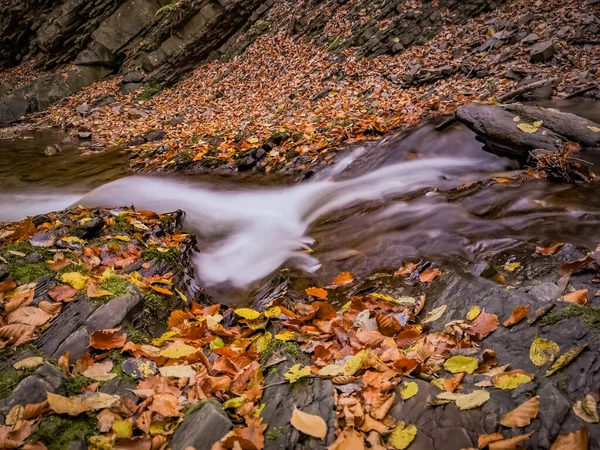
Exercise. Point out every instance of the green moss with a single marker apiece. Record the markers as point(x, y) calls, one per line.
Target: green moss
point(262, 27)
point(272, 371)
point(287, 346)
point(170, 255)
point(149, 91)
point(28, 273)
point(117, 285)
point(75, 386)
point(57, 432)
point(136, 336)
point(10, 379)
point(74, 267)
point(158, 304)
point(563, 381)
point(590, 315)
point(167, 8)
point(274, 433)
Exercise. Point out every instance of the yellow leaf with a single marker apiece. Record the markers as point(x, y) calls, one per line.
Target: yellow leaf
point(235, 402)
point(63, 405)
point(439, 383)
point(100, 400)
point(120, 237)
point(543, 351)
point(181, 295)
point(72, 239)
point(162, 290)
point(177, 371)
point(285, 336)
point(273, 313)
point(355, 363)
point(75, 279)
point(296, 373)
point(473, 312)
point(434, 314)
point(136, 278)
point(110, 272)
point(595, 129)
point(409, 389)
point(247, 313)
point(178, 350)
point(263, 342)
point(527, 128)
point(332, 370)
point(565, 359)
point(309, 424)
point(587, 409)
point(402, 436)
point(459, 363)
point(100, 443)
point(252, 140)
point(29, 363)
point(167, 336)
point(538, 123)
point(510, 381)
point(512, 266)
point(396, 301)
point(122, 428)
point(217, 343)
point(15, 415)
point(466, 401)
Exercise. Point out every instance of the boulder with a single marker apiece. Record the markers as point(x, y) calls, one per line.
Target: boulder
point(134, 113)
point(154, 135)
point(531, 38)
point(202, 428)
point(134, 76)
point(542, 51)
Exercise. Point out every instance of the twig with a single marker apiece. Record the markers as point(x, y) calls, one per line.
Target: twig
point(522, 90)
point(581, 91)
point(279, 383)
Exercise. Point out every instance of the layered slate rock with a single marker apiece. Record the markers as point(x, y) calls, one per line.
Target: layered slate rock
point(201, 428)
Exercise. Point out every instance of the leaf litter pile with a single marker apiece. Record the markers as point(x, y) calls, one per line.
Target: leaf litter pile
point(372, 349)
point(287, 98)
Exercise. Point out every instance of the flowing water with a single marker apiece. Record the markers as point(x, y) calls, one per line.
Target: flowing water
point(374, 207)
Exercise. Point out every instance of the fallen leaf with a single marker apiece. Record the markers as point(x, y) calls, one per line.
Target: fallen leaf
point(434, 314)
point(28, 315)
point(348, 439)
point(100, 400)
point(408, 390)
point(594, 129)
point(122, 428)
point(565, 359)
point(579, 297)
point(511, 380)
point(178, 350)
point(402, 436)
point(461, 363)
point(179, 371)
point(94, 291)
point(63, 405)
point(510, 443)
point(485, 439)
point(62, 293)
point(518, 314)
point(100, 371)
point(15, 415)
point(29, 363)
point(107, 339)
point(343, 278)
point(161, 290)
point(511, 267)
point(247, 313)
point(406, 269)
point(427, 276)
point(527, 128)
point(543, 351)
point(572, 441)
point(75, 279)
point(587, 409)
point(483, 325)
point(547, 251)
point(466, 401)
point(309, 424)
point(317, 292)
point(473, 312)
point(296, 373)
point(522, 415)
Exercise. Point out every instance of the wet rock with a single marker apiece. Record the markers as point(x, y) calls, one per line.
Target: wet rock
point(154, 135)
point(69, 142)
point(51, 150)
point(84, 135)
point(202, 428)
point(531, 38)
point(496, 128)
point(90, 229)
point(134, 113)
point(542, 51)
point(134, 77)
point(34, 388)
point(543, 92)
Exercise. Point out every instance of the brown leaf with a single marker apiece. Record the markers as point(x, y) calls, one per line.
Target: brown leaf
point(63, 363)
point(522, 415)
point(510, 443)
point(29, 315)
point(429, 275)
point(7, 285)
point(17, 334)
point(106, 419)
point(518, 314)
point(22, 298)
point(406, 269)
point(483, 325)
point(572, 441)
point(64, 293)
point(343, 278)
point(309, 424)
point(348, 439)
point(25, 229)
point(37, 445)
point(107, 339)
point(50, 308)
point(34, 410)
point(166, 405)
point(579, 297)
point(539, 313)
point(64, 405)
point(450, 384)
point(485, 439)
point(548, 250)
point(317, 292)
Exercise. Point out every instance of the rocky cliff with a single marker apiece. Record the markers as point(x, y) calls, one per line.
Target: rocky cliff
point(79, 42)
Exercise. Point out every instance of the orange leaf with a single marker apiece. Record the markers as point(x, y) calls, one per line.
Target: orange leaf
point(572, 441)
point(483, 325)
point(107, 339)
point(546, 251)
point(579, 297)
point(509, 444)
point(162, 290)
point(450, 384)
point(7, 285)
point(485, 439)
point(429, 275)
point(518, 314)
point(63, 363)
point(29, 315)
point(348, 439)
point(522, 415)
point(317, 292)
point(63, 293)
point(343, 278)
point(406, 269)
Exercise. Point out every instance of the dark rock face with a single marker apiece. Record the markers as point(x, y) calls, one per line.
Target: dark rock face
point(496, 126)
point(202, 428)
point(542, 51)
